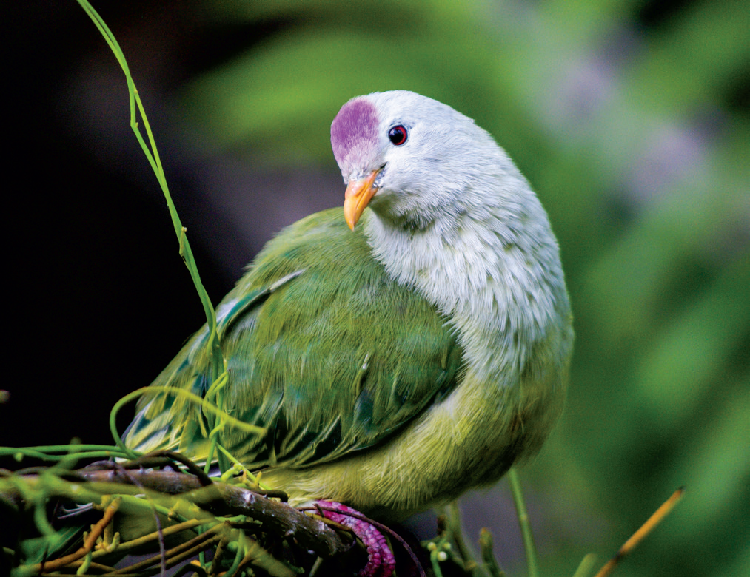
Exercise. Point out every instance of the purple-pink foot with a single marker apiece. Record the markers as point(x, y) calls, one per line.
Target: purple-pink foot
point(381, 562)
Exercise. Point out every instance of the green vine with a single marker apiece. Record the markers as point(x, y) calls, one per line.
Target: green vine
point(152, 154)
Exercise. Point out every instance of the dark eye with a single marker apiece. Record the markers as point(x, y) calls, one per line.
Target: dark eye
point(397, 134)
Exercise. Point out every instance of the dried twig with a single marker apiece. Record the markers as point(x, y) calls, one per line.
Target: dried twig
point(176, 554)
point(644, 530)
point(88, 543)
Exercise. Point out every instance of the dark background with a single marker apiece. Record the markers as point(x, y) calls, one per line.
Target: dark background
point(631, 119)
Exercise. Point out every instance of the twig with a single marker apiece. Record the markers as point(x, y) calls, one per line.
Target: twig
point(176, 554)
point(488, 555)
point(88, 543)
point(220, 499)
point(166, 532)
point(585, 566)
point(157, 521)
point(217, 557)
point(99, 566)
point(192, 566)
point(152, 154)
point(523, 521)
point(171, 457)
point(258, 556)
point(455, 531)
point(644, 530)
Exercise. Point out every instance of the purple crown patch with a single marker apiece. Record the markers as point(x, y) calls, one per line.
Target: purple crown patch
point(354, 135)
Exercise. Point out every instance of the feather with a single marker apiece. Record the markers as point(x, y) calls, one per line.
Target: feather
point(398, 364)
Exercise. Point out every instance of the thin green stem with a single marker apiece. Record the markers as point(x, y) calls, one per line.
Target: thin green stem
point(488, 556)
point(523, 521)
point(236, 563)
point(455, 530)
point(62, 448)
point(42, 454)
point(152, 154)
point(586, 566)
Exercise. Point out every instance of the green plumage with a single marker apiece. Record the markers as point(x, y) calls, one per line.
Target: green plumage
point(318, 351)
point(397, 365)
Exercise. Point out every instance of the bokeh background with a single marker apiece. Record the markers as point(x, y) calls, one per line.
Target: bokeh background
point(630, 118)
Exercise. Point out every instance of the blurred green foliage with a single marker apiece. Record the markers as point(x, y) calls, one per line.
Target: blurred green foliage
point(637, 139)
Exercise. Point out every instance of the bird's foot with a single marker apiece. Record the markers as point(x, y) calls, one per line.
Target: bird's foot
point(381, 561)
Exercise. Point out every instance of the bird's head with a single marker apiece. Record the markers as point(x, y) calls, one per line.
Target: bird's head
point(413, 159)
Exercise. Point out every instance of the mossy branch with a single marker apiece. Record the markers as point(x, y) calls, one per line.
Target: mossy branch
point(194, 515)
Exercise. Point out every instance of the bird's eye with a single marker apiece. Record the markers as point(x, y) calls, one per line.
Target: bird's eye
point(397, 134)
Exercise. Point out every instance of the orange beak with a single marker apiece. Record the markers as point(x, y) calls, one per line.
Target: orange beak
point(357, 196)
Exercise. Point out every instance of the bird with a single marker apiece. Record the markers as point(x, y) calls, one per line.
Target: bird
point(398, 350)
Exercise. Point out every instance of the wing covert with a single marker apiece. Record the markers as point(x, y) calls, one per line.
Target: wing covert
point(323, 349)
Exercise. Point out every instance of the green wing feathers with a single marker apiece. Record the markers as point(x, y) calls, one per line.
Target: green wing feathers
point(323, 350)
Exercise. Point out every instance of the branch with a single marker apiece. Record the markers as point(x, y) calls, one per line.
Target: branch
point(225, 499)
point(217, 499)
point(641, 533)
